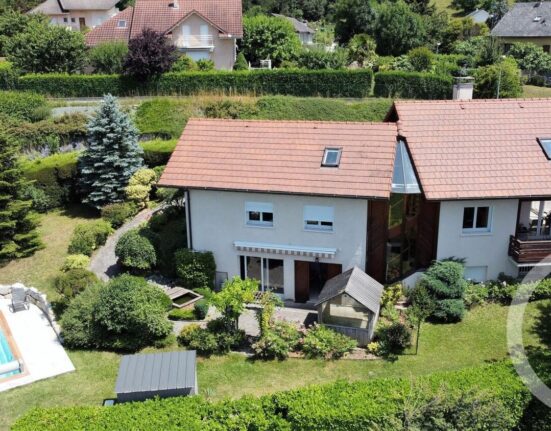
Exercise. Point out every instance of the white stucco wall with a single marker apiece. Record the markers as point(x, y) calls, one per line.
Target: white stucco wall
point(93, 17)
point(480, 249)
point(218, 219)
point(223, 53)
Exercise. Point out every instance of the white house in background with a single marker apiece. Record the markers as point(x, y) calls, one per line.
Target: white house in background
point(77, 14)
point(294, 203)
point(305, 33)
point(201, 29)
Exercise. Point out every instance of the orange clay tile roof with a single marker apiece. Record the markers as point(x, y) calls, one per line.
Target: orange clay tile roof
point(284, 157)
point(478, 148)
point(159, 16)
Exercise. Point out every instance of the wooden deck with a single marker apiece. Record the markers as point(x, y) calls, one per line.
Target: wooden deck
point(529, 251)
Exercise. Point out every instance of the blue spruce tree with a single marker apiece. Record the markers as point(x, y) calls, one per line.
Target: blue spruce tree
point(112, 156)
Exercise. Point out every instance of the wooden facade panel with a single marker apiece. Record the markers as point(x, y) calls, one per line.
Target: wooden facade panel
point(377, 234)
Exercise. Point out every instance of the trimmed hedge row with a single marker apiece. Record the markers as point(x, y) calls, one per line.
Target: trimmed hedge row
point(379, 404)
point(413, 85)
point(329, 83)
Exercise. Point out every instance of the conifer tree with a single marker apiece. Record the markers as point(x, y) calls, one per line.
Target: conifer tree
point(112, 156)
point(18, 235)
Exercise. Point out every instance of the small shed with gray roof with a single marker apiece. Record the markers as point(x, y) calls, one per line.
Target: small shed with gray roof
point(144, 376)
point(349, 303)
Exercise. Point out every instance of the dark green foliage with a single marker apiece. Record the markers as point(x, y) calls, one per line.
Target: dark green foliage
point(74, 281)
point(234, 109)
point(112, 156)
point(56, 175)
point(465, 5)
point(13, 22)
point(267, 37)
point(322, 342)
point(325, 83)
point(271, 346)
point(445, 284)
point(108, 57)
point(23, 106)
point(195, 269)
point(116, 214)
point(18, 235)
point(157, 152)
point(201, 309)
point(41, 202)
point(135, 251)
point(398, 29)
point(501, 79)
point(494, 392)
point(150, 54)
point(354, 17)
point(89, 236)
point(205, 65)
point(184, 63)
point(412, 85)
point(241, 62)
point(319, 59)
point(217, 338)
point(126, 314)
point(45, 48)
point(394, 338)
point(182, 314)
point(8, 76)
point(421, 59)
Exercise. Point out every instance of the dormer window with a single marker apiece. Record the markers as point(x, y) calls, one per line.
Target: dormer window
point(121, 23)
point(545, 144)
point(331, 157)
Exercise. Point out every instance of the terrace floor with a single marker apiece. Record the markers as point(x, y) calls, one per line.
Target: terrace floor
point(37, 344)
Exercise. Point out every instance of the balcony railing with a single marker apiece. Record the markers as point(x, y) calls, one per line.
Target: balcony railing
point(195, 41)
point(528, 251)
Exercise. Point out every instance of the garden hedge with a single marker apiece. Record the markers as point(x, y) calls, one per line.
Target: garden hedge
point(413, 85)
point(375, 404)
point(329, 83)
point(8, 76)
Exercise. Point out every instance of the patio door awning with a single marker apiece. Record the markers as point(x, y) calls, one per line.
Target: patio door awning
point(284, 249)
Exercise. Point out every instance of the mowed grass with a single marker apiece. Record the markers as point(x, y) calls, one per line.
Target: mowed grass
point(39, 270)
point(531, 91)
point(479, 339)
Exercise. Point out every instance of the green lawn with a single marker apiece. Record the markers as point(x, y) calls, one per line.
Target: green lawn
point(478, 339)
point(531, 91)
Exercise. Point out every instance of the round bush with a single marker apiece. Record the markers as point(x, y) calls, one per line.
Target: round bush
point(201, 309)
point(271, 346)
point(135, 251)
point(74, 281)
point(394, 338)
point(322, 342)
point(118, 213)
point(449, 310)
point(193, 337)
point(195, 269)
point(76, 261)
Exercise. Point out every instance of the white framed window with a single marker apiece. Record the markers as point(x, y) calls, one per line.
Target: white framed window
point(319, 218)
point(477, 219)
point(121, 23)
point(268, 272)
point(331, 157)
point(259, 214)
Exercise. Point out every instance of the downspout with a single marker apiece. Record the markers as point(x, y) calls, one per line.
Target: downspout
point(188, 220)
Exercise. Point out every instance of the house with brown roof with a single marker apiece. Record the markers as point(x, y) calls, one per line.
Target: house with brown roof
point(293, 204)
point(201, 29)
point(77, 14)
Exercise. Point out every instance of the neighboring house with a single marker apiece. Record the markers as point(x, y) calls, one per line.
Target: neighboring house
point(202, 29)
point(479, 16)
point(293, 204)
point(305, 33)
point(77, 14)
point(526, 22)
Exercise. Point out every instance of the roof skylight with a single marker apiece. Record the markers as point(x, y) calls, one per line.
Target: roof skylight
point(545, 144)
point(121, 23)
point(331, 157)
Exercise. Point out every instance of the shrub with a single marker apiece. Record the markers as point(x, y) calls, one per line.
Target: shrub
point(271, 346)
point(77, 323)
point(475, 294)
point(182, 314)
point(193, 337)
point(89, 236)
point(421, 59)
point(306, 83)
point(320, 59)
point(230, 109)
point(205, 65)
point(506, 73)
point(241, 62)
point(157, 152)
point(23, 106)
point(73, 281)
point(40, 200)
point(108, 57)
point(542, 290)
point(139, 186)
point(321, 342)
point(201, 309)
point(116, 214)
point(194, 268)
point(392, 294)
point(449, 310)
point(8, 76)
point(135, 251)
point(393, 338)
point(412, 85)
point(184, 63)
point(75, 261)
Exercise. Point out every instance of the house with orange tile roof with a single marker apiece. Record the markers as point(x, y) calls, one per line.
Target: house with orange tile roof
point(294, 203)
point(77, 14)
point(201, 29)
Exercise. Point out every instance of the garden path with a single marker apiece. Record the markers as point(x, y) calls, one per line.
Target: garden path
point(104, 262)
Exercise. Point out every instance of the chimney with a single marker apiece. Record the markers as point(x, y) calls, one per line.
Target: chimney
point(463, 88)
point(174, 4)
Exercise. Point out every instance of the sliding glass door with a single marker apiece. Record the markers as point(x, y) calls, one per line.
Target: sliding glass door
point(268, 272)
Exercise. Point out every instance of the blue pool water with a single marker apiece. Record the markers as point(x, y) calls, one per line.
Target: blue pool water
point(5, 354)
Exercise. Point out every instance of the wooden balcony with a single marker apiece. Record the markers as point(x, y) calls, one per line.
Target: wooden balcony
point(529, 251)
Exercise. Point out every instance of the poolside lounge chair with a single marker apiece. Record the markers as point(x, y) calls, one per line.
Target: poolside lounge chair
point(19, 299)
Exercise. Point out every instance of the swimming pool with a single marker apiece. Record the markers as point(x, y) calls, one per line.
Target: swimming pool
point(6, 355)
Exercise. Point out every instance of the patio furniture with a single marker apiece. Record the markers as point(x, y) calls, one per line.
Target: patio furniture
point(19, 299)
